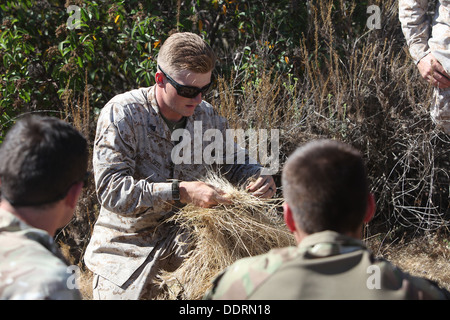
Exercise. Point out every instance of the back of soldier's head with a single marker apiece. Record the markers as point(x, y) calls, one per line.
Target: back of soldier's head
point(325, 185)
point(40, 159)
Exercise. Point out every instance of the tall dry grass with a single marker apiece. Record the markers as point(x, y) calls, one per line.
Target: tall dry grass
point(74, 237)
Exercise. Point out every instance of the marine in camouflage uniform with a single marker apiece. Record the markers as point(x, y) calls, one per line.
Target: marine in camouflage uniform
point(327, 203)
point(424, 37)
point(31, 265)
point(43, 164)
point(133, 169)
point(325, 265)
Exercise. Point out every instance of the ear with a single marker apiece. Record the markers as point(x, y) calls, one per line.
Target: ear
point(371, 208)
point(73, 195)
point(288, 217)
point(159, 78)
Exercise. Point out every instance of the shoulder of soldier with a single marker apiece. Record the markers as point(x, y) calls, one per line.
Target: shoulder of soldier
point(133, 96)
point(29, 270)
point(414, 287)
point(240, 279)
point(125, 104)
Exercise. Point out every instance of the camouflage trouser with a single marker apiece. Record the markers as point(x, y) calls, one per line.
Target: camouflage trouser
point(141, 285)
point(440, 109)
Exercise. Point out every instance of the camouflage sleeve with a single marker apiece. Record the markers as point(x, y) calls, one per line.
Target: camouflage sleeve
point(113, 158)
point(413, 287)
point(232, 283)
point(44, 290)
point(31, 267)
point(243, 277)
point(415, 26)
point(424, 289)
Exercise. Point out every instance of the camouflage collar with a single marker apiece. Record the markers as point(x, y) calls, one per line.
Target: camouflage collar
point(9, 223)
point(151, 98)
point(329, 243)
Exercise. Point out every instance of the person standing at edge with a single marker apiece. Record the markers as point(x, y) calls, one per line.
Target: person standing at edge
point(138, 184)
point(429, 46)
point(43, 163)
point(327, 202)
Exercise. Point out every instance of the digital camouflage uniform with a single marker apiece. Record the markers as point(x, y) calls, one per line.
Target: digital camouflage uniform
point(325, 265)
point(31, 266)
point(132, 168)
point(424, 36)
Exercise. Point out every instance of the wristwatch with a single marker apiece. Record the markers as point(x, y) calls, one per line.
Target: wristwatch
point(175, 190)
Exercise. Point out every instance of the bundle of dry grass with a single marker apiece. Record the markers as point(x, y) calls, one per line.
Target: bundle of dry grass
point(221, 235)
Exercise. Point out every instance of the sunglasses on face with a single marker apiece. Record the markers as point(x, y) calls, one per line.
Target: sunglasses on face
point(186, 91)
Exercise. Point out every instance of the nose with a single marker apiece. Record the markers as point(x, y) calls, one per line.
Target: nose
point(198, 98)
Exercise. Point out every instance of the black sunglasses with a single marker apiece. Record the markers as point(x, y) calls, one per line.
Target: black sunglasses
point(186, 91)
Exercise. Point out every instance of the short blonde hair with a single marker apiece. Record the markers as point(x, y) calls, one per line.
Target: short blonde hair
point(186, 51)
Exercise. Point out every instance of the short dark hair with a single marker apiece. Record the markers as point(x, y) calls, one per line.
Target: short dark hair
point(325, 184)
point(40, 159)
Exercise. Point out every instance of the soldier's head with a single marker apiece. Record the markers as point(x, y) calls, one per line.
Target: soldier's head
point(185, 64)
point(325, 187)
point(186, 51)
point(41, 158)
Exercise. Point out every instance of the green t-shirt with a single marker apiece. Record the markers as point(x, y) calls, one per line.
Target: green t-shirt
point(173, 125)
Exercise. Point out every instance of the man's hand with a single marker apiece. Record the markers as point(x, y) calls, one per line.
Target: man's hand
point(432, 71)
point(201, 194)
point(263, 187)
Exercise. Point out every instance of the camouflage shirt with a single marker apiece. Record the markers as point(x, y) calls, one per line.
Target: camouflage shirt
point(133, 165)
point(424, 36)
point(325, 265)
point(31, 266)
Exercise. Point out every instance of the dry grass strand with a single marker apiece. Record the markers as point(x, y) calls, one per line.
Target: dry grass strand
point(221, 235)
